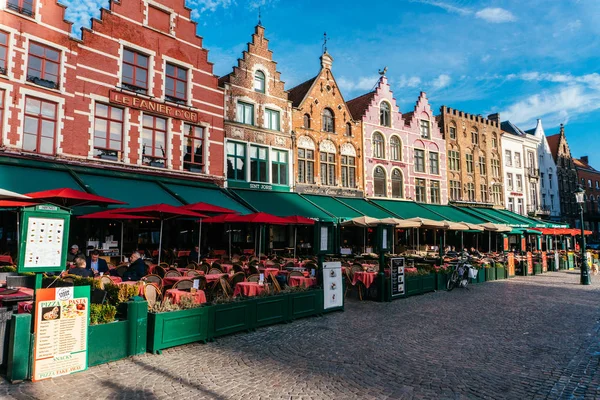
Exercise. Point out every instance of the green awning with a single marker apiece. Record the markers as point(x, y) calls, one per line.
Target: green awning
point(493, 216)
point(332, 206)
point(524, 231)
point(282, 204)
point(531, 222)
point(453, 214)
point(25, 179)
point(407, 209)
point(135, 192)
point(214, 196)
point(365, 207)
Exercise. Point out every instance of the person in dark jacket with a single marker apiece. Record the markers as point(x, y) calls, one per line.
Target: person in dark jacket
point(137, 268)
point(74, 253)
point(97, 264)
point(80, 269)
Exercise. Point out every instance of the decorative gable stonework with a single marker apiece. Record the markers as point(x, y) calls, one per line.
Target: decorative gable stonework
point(567, 176)
point(335, 140)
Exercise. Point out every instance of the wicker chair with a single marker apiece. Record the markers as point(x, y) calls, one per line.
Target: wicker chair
point(253, 269)
point(160, 271)
point(164, 265)
point(236, 278)
point(276, 265)
point(184, 284)
point(122, 269)
point(192, 265)
point(104, 280)
point(172, 274)
point(153, 278)
point(214, 271)
point(192, 272)
point(238, 268)
point(273, 281)
point(204, 267)
point(152, 294)
point(217, 266)
point(225, 287)
point(254, 278)
point(348, 279)
point(356, 268)
point(310, 265)
point(290, 264)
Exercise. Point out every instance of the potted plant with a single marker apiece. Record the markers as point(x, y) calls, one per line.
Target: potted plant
point(441, 276)
point(413, 281)
point(490, 272)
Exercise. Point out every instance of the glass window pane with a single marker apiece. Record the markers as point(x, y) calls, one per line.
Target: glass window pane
point(47, 145)
point(29, 142)
point(170, 70)
point(48, 110)
point(101, 110)
point(48, 128)
point(128, 56)
point(31, 125)
point(161, 124)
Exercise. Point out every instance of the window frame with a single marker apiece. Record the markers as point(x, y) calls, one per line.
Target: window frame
point(153, 157)
point(175, 79)
point(378, 145)
point(455, 190)
point(44, 60)
point(395, 148)
point(434, 162)
point(306, 121)
point(482, 166)
point(348, 171)
point(109, 120)
point(510, 184)
point(260, 162)
point(328, 166)
point(454, 160)
point(186, 137)
point(422, 123)
point(452, 131)
point(495, 167)
point(385, 114)
point(303, 166)
point(269, 113)
point(328, 121)
point(483, 192)
point(262, 80)
point(235, 156)
point(469, 163)
point(39, 131)
point(6, 47)
point(379, 181)
point(471, 192)
point(435, 194)
point(420, 190)
point(397, 180)
point(508, 158)
point(241, 116)
point(20, 7)
point(475, 137)
point(419, 167)
point(277, 165)
point(134, 87)
point(348, 132)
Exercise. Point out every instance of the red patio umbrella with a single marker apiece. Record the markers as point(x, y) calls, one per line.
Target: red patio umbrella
point(220, 219)
point(208, 208)
point(113, 214)
point(163, 212)
point(298, 220)
point(68, 197)
point(15, 203)
point(260, 218)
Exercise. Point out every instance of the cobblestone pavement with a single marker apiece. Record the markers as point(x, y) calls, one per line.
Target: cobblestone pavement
point(525, 338)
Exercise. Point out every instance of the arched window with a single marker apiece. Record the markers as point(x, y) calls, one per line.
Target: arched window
point(378, 145)
point(474, 136)
point(328, 120)
point(452, 130)
point(494, 141)
point(397, 184)
point(348, 129)
point(259, 81)
point(307, 121)
point(385, 114)
point(379, 182)
point(395, 148)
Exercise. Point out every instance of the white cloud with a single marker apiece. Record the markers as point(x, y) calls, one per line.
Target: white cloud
point(407, 81)
point(201, 6)
point(80, 12)
point(446, 6)
point(254, 4)
point(441, 81)
point(495, 15)
point(365, 83)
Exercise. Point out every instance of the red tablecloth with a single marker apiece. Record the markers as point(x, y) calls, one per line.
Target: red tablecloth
point(272, 271)
point(367, 278)
point(115, 279)
point(140, 285)
point(183, 253)
point(226, 267)
point(24, 307)
point(176, 295)
point(211, 260)
point(21, 293)
point(170, 281)
point(302, 281)
point(286, 272)
point(248, 289)
point(6, 259)
point(213, 277)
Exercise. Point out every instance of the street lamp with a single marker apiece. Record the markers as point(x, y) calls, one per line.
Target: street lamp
point(585, 273)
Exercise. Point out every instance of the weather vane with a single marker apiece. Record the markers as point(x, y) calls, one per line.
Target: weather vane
point(259, 17)
point(325, 43)
point(382, 73)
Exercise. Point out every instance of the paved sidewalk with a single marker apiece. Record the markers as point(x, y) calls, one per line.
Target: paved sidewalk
point(524, 338)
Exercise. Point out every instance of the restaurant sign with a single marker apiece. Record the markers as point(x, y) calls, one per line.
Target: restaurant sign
point(328, 191)
point(397, 277)
point(60, 331)
point(153, 106)
point(333, 286)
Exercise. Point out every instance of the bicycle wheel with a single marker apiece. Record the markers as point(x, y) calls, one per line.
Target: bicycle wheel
point(452, 281)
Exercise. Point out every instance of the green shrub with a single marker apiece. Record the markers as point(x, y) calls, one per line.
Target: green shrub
point(102, 313)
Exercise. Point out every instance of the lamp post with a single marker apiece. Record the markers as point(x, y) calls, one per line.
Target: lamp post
point(585, 273)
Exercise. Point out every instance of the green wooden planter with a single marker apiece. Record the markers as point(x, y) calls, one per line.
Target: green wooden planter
point(490, 274)
point(441, 281)
point(562, 264)
point(305, 304)
point(428, 283)
point(174, 328)
point(107, 342)
point(500, 273)
point(228, 318)
point(413, 285)
point(537, 268)
point(272, 310)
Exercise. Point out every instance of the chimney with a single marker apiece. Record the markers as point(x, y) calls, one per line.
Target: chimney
point(585, 160)
point(494, 117)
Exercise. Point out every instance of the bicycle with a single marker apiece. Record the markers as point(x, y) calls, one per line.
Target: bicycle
point(460, 274)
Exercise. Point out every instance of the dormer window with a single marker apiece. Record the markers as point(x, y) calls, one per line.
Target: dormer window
point(135, 71)
point(384, 114)
point(43, 65)
point(176, 83)
point(259, 82)
point(24, 7)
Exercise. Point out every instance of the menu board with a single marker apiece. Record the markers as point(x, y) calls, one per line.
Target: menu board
point(61, 331)
point(332, 285)
point(44, 242)
point(544, 262)
point(510, 257)
point(324, 238)
point(397, 277)
point(529, 263)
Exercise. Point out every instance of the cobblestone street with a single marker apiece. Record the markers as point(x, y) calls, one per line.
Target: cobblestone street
point(523, 338)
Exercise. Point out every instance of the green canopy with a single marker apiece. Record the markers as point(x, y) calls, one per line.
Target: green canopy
point(214, 196)
point(491, 215)
point(523, 231)
point(531, 222)
point(332, 206)
point(366, 207)
point(282, 204)
point(407, 209)
point(23, 177)
point(453, 214)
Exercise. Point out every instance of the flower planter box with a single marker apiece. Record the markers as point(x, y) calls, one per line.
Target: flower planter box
point(228, 318)
point(441, 281)
point(428, 283)
point(305, 304)
point(107, 342)
point(537, 268)
point(490, 274)
point(272, 310)
point(413, 285)
point(174, 328)
point(500, 273)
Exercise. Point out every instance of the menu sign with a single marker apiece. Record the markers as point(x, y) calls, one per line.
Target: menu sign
point(511, 264)
point(61, 331)
point(44, 242)
point(324, 238)
point(529, 263)
point(505, 244)
point(544, 262)
point(397, 277)
point(332, 285)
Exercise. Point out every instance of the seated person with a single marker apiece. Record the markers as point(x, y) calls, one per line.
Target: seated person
point(97, 264)
point(194, 254)
point(137, 268)
point(80, 269)
point(74, 253)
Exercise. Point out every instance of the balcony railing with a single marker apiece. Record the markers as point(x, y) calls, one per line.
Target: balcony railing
point(533, 172)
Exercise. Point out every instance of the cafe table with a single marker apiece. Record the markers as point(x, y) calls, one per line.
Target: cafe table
point(367, 278)
point(248, 289)
point(227, 267)
point(21, 294)
point(171, 280)
point(269, 271)
point(302, 281)
point(210, 278)
point(183, 253)
point(6, 260)
point(176, 294)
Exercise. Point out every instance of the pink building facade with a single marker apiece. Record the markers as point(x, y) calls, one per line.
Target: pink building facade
point(404, 154)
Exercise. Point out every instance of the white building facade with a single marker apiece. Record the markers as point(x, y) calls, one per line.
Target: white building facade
point(549, 206)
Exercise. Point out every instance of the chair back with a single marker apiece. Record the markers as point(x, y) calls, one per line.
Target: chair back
point(217, 266)
point(104, 280)
point(164, 265)
point(121, 270)
point(253, 278)
point(213, 271)
point(237, 277)
point(356, 268)
point(310, 265)
point(172, 273)
point(238, 268)
point(271, 279)
point(153, 278)
point(192, 265)
point(276, 265)
point(225, 287)
point(184, 284)
point(160, 271)
point(152, 294)
point(290, 264)
point(204, 267)
point(253, 270)
point(192, 272)
point(296, 273)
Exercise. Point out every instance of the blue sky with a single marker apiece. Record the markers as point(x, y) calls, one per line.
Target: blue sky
point(526, 59)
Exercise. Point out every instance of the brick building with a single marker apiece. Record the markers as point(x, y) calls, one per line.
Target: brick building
point(258, 121)
point(567, 176)
point(135, 93)
point(328, 142)
point(589, 179)
point(474, 158)
point(404, 155)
